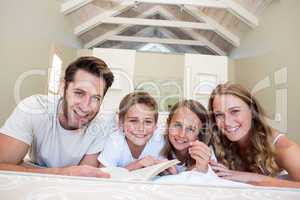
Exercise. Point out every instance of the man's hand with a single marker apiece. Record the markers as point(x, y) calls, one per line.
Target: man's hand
point(84, 170)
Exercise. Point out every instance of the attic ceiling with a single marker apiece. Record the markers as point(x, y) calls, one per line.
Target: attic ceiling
point(182, 26)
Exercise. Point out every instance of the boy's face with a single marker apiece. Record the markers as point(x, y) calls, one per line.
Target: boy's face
point(139, 124)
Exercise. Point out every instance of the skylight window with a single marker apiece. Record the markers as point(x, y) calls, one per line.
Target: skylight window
point(153, 47)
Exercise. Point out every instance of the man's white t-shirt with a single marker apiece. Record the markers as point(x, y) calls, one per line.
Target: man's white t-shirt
point(35, 122)
point(116, 152)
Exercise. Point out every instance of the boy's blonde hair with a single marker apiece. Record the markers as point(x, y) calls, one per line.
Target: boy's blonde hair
point(137, 98)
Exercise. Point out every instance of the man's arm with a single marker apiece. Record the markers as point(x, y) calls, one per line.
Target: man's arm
point(90, 160)
point(13, 151)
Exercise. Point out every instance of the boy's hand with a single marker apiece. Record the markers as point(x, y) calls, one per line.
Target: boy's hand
point(148, 161)
point(144, 162)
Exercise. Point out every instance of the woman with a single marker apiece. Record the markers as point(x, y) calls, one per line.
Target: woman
point(247, 148)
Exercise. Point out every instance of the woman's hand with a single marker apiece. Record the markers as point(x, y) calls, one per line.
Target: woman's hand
point(245, 177)
point(201, 153)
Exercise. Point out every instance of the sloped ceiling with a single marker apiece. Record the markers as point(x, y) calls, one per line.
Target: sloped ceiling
point(184, 26)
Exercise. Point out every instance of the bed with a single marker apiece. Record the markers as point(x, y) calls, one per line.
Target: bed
point(29, 186)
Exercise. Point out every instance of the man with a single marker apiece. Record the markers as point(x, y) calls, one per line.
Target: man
point(62, 134)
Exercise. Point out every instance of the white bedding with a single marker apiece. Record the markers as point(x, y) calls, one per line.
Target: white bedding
point(29, 186)
point(198, 178)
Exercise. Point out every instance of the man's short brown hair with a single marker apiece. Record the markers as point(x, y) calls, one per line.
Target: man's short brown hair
point(90, 64)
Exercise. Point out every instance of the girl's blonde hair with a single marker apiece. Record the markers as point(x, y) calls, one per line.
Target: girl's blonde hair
point(260, 154)
point(204, 135)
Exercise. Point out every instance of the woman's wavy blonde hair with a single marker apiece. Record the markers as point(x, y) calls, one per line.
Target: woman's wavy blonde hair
point(260, 154)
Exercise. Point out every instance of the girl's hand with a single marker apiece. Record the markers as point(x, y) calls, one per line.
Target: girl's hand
point(201, 153)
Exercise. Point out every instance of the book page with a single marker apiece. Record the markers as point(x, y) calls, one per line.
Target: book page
point(142, 174)
point(149, 172)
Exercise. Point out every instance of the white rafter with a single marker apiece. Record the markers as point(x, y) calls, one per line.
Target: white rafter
point(156, 22)
point(119, 29)
point(242, 13)
point(202, 3)
point(233, 7)
point(166, 14)
point(193, 34)
point(97, 20)
point(166, 32)
point(72, 5)
point(230, 5)
point(219, 29)
point(156, 40)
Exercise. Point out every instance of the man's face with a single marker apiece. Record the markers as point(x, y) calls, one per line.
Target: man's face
point(82, 100)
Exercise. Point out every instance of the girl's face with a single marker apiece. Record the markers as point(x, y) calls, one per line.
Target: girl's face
point(184, 128)
point(233, 117)
point(139, 124)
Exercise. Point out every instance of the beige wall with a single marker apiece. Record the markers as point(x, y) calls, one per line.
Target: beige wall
point(161, 66)
point(30, 31)
point(122, 63)
point(231, 70)
point(165, 71)
point(270, 47)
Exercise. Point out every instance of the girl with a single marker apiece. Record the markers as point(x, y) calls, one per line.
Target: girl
point(248, 149)
point(134, 145)
point(187, 136)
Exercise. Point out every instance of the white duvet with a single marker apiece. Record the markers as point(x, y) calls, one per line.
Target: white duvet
point(198, 178)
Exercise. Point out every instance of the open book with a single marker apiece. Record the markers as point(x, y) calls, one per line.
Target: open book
point(142, 174)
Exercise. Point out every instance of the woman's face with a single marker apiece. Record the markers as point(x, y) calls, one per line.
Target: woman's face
point(139, 124)
point(184, 128)
point(233, 117)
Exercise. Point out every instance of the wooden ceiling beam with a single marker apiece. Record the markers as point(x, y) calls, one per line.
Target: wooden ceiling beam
point(166, 14)
point(119, 29)
point(97, 20)
point(156, 40)
point(157, 23)
point(72, 5)
point(219, 29)
point(230, 5)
